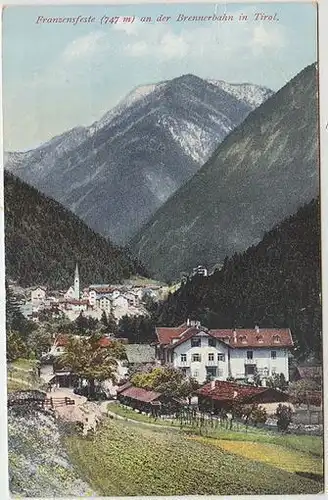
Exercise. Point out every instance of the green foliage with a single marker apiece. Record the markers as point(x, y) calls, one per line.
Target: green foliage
point(89, 360)
point(137, 329)
point(39, 341)
point(306, 391)
point(108, 323)
point(44, 241)
point(277, 381)
point(258, 415)
point(274, 284)
point(168, 380)
point(16, 347)
point(284, 417)
point(15, 320)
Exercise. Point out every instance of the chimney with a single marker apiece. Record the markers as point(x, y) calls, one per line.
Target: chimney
point(212, 384)
point(257, 328)
point(188, 322)
point(235, 336)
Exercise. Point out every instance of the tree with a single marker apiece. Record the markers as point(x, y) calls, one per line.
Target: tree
point(284, 417)
point(306, 391)
point(167, 380)
point(15, 320)
point(16, 347)
point(257, 378)
point(277, 381)
point(39, 341)
point(86, 358)
point(137, 329)
point(103, 319)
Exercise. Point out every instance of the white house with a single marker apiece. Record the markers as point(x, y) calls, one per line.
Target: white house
point(38, 295)
point(104, 303)
point(132, 298)
point(70, 293)
point(219, 354)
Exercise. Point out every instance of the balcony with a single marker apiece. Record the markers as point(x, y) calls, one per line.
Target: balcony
point(183, 364)
point(211, 363)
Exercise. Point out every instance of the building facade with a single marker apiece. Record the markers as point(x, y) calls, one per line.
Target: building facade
point(221, 354)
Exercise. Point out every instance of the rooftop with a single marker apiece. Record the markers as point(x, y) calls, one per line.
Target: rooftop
point(257, 337)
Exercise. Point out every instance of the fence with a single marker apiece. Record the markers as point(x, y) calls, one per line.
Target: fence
point(44, 403)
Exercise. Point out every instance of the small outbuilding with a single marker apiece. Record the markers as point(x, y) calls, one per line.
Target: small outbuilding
point(147, 401)
point(221, 395)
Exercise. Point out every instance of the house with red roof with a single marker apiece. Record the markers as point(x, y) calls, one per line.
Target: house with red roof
point(223, 353)
point(217, 395)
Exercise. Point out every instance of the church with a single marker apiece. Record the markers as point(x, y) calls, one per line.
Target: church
point(74, 291)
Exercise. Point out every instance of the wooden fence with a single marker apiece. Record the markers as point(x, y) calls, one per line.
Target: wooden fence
point(44, 403)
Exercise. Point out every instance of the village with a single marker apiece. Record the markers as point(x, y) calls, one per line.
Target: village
point(252, 365)
point(93, 376)
point(117, 300)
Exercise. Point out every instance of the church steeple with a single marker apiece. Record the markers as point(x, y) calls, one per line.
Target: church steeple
point(77, 283)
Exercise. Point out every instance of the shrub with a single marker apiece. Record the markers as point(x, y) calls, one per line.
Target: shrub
point(258, 415)
point(284, 417)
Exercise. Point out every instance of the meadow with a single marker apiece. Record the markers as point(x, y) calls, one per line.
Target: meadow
point(124, 458)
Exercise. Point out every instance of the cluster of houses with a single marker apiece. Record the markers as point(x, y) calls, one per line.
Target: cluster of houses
point(117, 300)
point(224, 363)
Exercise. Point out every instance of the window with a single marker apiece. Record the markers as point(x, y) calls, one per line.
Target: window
point(211, 356)
point(259, 338)
point(221, 357)
point(276, 339)
point(211, 371)
point(195, 342)
point(183, 358)
point(196, 357)
point(243, 339)
point(249, 354)
point(249, 369)
point(273, 354)
point(211, 342)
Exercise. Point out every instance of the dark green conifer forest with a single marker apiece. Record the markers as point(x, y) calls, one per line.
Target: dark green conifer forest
point(276, 283)
point(44, 241)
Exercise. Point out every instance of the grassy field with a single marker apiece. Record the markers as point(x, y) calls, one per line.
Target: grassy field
point(272, 454)
point(312, 445)
point(21, 376)
point(129, 459)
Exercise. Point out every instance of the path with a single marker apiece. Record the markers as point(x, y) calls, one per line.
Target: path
point(139, 422)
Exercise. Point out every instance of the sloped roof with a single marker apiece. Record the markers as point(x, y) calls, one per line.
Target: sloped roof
point(140, 394)
point(262, 337)
point(166, 334)
point(140, 353)
point(229, 391)
point(309, 371)
point(62, 340)
point(123, 387)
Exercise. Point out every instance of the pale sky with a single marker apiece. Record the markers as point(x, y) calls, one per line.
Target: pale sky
point(58, 76)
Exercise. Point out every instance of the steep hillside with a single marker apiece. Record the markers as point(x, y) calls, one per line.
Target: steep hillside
point(274, 284)
point(261, 173)
point(38, 463)
point(43, 241)
point(116, 173)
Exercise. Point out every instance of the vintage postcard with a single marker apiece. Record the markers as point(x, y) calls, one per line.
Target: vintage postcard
point(162, 249)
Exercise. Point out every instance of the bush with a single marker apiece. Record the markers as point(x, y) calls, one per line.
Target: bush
point(284, 417)
point(258, 416)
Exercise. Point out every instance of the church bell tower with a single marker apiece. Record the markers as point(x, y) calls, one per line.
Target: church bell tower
point(77, 283)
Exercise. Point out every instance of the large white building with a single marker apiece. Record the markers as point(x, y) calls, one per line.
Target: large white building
point(220, 354)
